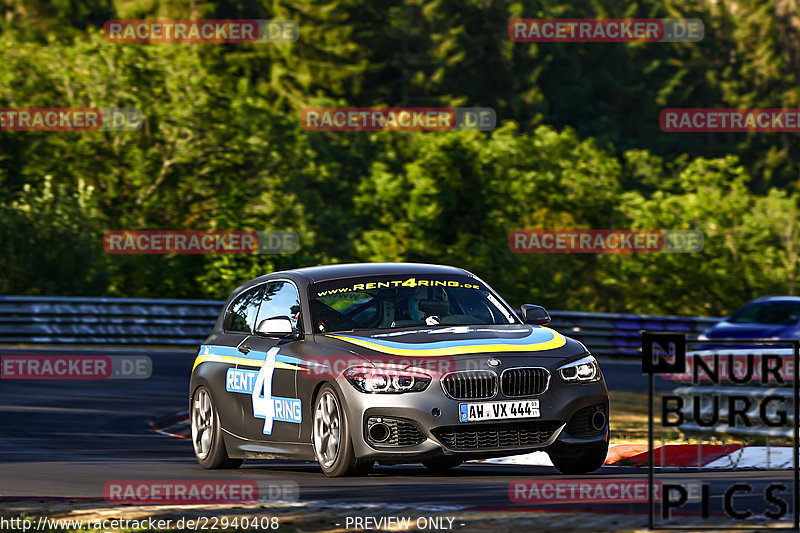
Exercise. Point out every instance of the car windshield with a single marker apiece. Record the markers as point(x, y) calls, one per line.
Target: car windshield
point(780, 313)
point(385, 302)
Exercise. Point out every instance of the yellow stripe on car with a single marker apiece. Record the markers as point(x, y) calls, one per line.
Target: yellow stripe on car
point(240, 361)
point(557, 341)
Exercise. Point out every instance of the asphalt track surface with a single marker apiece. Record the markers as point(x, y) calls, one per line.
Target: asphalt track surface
point(65, 439)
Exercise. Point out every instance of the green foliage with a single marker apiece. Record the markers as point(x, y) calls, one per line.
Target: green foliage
point(577, 146)
point(751, 243)
point(50, 245)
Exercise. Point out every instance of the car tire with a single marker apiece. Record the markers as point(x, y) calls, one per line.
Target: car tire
point(584, 462)
point(441, 466)
point(207, 441)
point(331, 437)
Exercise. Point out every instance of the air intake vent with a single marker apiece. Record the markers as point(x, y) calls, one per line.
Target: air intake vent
point(399, 432)
point(496, 436)
point(586, 422)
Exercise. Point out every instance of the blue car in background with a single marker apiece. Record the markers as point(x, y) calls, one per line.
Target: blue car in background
point(768, 317)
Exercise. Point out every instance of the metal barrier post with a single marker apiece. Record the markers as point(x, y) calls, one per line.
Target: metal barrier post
point(700, 452)
point(768, 458)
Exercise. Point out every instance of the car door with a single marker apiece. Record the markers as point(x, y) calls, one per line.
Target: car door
point(272, 411)
point(240, 318)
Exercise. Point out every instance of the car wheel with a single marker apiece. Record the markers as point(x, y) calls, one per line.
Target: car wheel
point(333, 445)
point(209, 448)
point(582, 463)
point(441, 466)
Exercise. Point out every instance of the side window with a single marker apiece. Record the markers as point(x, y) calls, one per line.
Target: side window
point(242, 312)
point(280, 299)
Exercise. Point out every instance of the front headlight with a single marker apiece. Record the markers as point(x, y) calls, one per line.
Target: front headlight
point(373, 380)
point(584, 370)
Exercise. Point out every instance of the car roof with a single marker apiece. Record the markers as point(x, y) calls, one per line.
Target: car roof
point(327, 272)
point(307, 275)
point(776, 298)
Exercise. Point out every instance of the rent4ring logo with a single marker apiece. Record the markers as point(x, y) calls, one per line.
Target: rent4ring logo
point(258, 384)
point(741, 393)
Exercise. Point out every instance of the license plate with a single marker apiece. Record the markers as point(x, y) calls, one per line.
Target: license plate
point(472, 412)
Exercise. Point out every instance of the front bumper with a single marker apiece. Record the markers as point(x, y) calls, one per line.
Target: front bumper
point(436, 417)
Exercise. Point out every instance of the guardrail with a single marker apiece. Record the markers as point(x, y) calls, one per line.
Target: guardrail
point(136, 321)
point(44, 320)
point(619, 334)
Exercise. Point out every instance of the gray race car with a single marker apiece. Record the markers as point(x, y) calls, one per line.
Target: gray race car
point(395, 363)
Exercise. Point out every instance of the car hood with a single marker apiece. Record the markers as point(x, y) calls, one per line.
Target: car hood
point(514, 342)
point(728, 330)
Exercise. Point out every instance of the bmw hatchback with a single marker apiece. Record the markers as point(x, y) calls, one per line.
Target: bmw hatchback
point(348, 365)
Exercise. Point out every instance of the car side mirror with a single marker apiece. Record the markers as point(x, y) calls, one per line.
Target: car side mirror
point(534, 314)
point(279, 326)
